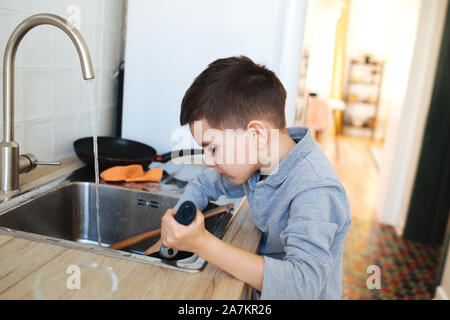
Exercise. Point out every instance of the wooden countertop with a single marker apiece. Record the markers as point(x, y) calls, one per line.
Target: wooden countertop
point(22, 261)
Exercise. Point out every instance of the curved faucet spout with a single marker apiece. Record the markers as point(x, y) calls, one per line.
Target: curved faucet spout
point(8, 148)
point(10, 54)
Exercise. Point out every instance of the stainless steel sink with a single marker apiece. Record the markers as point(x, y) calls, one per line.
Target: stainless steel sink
point(66, 216)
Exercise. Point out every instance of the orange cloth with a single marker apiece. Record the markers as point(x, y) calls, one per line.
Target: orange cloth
point(130, 173)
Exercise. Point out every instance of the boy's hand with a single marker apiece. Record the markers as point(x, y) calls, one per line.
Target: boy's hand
point(177, 236)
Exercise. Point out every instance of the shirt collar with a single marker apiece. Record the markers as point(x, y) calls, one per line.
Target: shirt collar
point(302, 136)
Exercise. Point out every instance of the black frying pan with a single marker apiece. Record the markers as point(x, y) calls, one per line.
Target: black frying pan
point(113, 151)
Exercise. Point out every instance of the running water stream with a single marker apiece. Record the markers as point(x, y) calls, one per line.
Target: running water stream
point(90, 84)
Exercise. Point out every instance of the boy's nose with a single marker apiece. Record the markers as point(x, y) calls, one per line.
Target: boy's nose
point(209, 161)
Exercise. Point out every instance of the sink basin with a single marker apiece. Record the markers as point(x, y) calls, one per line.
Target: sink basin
point(66, 216)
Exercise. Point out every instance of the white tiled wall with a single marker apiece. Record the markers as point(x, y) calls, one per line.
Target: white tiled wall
point(51, 97)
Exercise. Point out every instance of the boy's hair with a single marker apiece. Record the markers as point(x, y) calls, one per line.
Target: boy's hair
point(231, 92)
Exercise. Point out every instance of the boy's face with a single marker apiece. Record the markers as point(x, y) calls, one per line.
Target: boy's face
point(231, 152)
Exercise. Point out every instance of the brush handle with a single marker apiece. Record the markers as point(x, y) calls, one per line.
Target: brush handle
point(150, 234)
point(130, 241)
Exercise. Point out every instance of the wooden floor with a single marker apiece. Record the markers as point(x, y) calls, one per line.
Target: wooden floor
point(357, 171)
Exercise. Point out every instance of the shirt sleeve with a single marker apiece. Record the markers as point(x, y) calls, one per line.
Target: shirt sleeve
point(315, 216)
point(209, 186)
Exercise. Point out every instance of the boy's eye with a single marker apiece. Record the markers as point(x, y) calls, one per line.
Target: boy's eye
point(211, 149)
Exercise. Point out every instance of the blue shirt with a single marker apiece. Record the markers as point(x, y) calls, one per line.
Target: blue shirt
point(303, 213)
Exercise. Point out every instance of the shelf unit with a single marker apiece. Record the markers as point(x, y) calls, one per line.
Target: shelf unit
point(362, 98)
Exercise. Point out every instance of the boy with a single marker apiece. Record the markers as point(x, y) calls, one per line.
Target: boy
point(294, 194)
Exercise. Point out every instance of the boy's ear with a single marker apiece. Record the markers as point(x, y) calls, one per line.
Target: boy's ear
point(258, 132)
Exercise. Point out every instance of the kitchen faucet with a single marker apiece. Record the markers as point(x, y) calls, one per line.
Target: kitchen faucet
point(11, 164)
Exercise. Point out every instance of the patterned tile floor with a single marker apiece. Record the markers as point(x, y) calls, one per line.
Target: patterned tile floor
point(408, 269)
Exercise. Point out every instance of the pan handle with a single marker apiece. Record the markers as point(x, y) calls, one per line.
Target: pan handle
point(165, 157)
